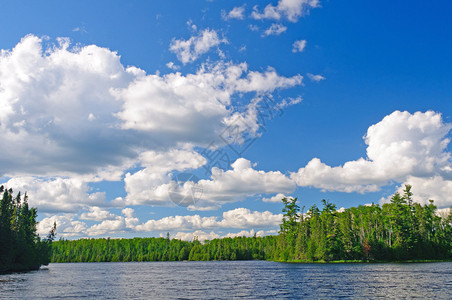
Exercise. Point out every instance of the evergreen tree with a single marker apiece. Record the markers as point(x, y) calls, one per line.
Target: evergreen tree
point(20, 247)
point(399, 230)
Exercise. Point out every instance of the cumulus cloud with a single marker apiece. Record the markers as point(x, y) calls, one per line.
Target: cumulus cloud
point(253, 27)
point(153, 185)
point(48, 96)
point(193, 107)
point(275, 29)
point(97, 214)
point(119, 224)
point(189, 50)
point(57, 194)
point(316, 78)
point(244, 218)
point(78, 111)
point(171, 65)
point(298, 46)
point(236, 218)
point(237, 184)
point(174, 159)
point(236, 13)
point(203, 236)
point(276, 199)
point(223, 187)
point(290, 9)
point(289, 102)
point(179, 223)
point(266, 81)
point(434, 188)
point(399, 146)
point(251, 233)
point(68, 225)
point(242, 181)
point(69, 118)
point(198, 235)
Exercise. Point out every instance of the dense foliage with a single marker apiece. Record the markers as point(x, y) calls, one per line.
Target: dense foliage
point(161, 249)
point(21, 248)
point(399, 230)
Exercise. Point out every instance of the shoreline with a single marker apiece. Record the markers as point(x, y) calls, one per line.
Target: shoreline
point(408, 261)
point(279, 261)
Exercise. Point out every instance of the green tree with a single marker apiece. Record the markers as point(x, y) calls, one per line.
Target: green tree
point(20, 246)
point(289, 225)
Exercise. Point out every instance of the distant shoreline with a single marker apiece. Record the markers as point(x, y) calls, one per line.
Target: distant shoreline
point(369, 262)
point(288, 262)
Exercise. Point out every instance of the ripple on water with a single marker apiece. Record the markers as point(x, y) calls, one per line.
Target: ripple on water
point(226, 280)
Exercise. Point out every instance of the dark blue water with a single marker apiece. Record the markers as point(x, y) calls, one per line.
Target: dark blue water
point(226, 280)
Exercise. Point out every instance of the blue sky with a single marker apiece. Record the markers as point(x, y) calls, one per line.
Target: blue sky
point(137, 118)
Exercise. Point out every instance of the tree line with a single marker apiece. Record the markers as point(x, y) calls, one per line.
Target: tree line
point(161, 249)
point(399, 230)
point(21, 248)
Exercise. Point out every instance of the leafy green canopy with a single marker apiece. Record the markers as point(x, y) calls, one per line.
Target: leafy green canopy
point(21, 248)
point(399, 230)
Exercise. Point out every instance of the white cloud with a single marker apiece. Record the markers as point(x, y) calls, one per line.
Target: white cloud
point(315, 78)
point(251, 233)
point(253, 27)
point(189, 50)
point(347, 178)
point(174, 159)
point(179, 223)
point(399, 146)
point(237, 218)
point(290, 9)
point(57, 194)
point(234, 185)
point(298, 46)
point(435, 188)
point(97, 214)
point(47, 96)
point(203, 236)
point(108, 227)
point(193, 108)
point(120, 224)
point(342, 209)
point(444, 212)
point(244, 218)
point(198, 235)
point(66, 226)
point(152, 185)
point(241, 218)
point(78, 111)
point(69, 119)
point(172, 66)
point(276, 199)
point(236, 13)
point(290, 101)
point(275, 29)
point(255, 81)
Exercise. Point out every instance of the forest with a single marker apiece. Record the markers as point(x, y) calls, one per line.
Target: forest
point(21, 248)
point(397, 231)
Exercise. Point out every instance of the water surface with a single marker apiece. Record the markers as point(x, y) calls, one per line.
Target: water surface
point(226, 280)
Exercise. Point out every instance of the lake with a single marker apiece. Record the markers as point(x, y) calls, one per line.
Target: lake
point(230, 279)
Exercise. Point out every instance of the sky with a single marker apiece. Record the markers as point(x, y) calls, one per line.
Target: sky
point(138, 118)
